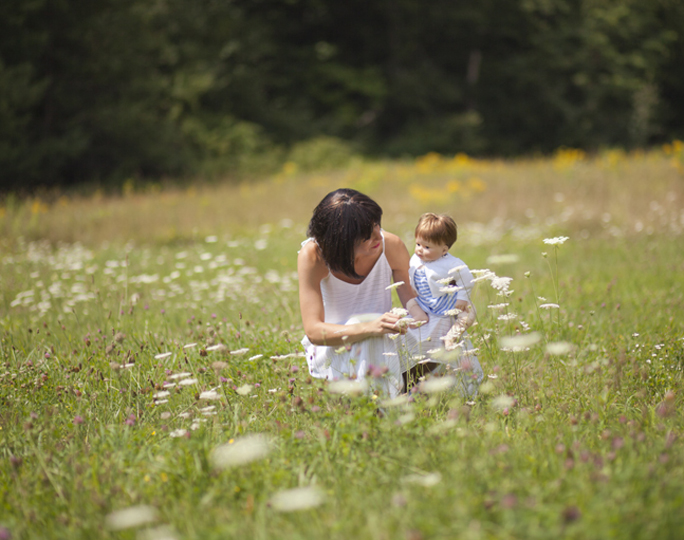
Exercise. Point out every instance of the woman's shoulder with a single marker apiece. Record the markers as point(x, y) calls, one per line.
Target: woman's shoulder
point(309, 259)
point(395, 250)
point(309, 251)
point(392, 241)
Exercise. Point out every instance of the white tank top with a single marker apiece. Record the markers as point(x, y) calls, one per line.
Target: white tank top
point(343, 300)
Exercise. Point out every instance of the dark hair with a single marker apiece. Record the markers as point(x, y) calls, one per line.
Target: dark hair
point(438, 228)
point(342, 219)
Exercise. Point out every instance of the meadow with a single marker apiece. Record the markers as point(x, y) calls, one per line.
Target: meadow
point(153, 384)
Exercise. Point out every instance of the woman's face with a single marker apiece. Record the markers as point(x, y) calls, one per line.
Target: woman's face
point(367, 248)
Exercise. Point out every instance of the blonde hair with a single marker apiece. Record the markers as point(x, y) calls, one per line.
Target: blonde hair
point(438, 228)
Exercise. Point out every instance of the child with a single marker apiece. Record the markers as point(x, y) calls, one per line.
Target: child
point(443, 282)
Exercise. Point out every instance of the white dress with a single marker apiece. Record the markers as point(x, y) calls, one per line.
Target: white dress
point(347, 303)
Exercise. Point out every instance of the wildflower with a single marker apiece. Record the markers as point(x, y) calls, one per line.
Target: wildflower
point(162, 356)
point(243, 450)
point(457, 269)
point(180, 375)
point(549, 306)
point(501, 283)
point(401, 312)
point(559, 348)
point(219, 347)
point(133, 516)
point(503, 402)
point(190, 346)
point(394, 285)
point(558, 240)
point(348, 387)
point(292, 500)
point(425, 480)
point(78, 419)
point(210, 395)
point(503, 259)
point(239, 351)
point(187, 382)
point(436, 385)
point(244, 390)
point(451, 289)
point(520, 341)
point(160, 395)
point(178, 433)
point(255, 357)
point(499, 306)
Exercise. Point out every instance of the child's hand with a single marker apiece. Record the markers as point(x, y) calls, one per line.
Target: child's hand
point(462, 305)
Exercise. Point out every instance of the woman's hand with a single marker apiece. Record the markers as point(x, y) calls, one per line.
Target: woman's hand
point(386, 324)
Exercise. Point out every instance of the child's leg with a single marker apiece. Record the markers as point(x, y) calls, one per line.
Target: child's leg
point(464, 320)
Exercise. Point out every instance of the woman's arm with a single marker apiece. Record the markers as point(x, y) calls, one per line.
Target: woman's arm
point(311, 269)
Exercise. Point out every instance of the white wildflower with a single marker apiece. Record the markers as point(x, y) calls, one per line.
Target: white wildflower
point(243, 450)
point(179, 375)
point(520, 341)
point(131, 517)
point(178, 433)
point(503, 259)
point(394, 285)
point(437, 385)
point(160, 395)
point(244, 389)
point(398, 401)
point(240, 351)
point(190, 346)
point(457, 269)
point(499, 306)
point(292, 500)
point(507, 316)
point(549, 306)
point(425, 480)
point(501, 283)
point(348, 387)
point(559, 348)
point(558, 240)
point(255, 357)
point(210, 395)
point(451, 289)
point(502, 402)
point(219, 347)
point(401, 312)
point(187, 382)
point(162, 356)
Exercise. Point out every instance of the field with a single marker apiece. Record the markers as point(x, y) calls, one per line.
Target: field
point(153, 386)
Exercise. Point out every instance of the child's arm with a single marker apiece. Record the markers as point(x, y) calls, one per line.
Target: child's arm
point(415, 311)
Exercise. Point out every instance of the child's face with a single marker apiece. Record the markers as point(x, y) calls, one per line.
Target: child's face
point(428, 251)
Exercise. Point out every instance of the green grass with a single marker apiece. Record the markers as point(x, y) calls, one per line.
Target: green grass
point(581, 445)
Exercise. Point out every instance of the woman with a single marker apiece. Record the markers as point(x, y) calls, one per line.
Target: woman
point(344, 270)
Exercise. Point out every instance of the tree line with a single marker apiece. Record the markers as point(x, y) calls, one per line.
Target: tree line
point(106, 90)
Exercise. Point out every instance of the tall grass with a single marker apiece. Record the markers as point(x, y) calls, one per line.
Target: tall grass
point(152, 383)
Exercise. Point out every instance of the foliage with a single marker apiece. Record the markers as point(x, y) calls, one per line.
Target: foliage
point(98, 91)
point(154, 386)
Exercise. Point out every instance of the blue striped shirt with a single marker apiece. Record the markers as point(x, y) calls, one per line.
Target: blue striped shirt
point(429, 304)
